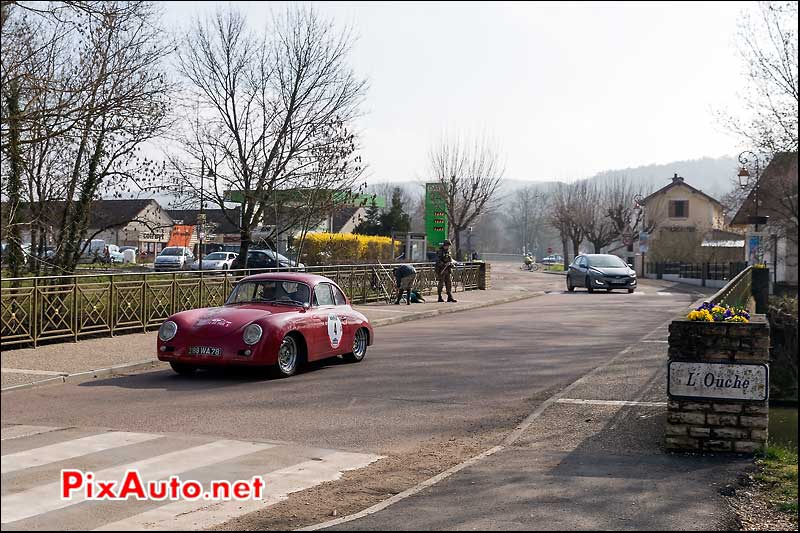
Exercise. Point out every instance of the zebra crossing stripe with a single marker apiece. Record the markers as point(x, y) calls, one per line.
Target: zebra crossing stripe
point(46, 498)
point(188, 515)
point(71, 449)
point(21, 431)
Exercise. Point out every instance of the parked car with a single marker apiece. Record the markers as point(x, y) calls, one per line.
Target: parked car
point(269, 259)
point(216, 261)
point(600, 271)
point(554, 259)
point(95, 252)
point(280, 319)
point(173, 258)
point(113, 254)
point(134, 248)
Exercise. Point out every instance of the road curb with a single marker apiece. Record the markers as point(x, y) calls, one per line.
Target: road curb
point(141, 365)
point(79, 377)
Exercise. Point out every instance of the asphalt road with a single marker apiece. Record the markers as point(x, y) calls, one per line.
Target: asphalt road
point(445, 378)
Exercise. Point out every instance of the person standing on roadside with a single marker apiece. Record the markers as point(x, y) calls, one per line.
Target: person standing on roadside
point(444, 270)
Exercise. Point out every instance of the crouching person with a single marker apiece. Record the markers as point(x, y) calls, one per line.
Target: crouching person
point(404, 276)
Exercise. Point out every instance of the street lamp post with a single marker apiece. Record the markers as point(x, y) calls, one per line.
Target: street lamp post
point(745, 158)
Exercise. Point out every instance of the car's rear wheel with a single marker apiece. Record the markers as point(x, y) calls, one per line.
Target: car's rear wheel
point(360, 343)
point(183, 369)
point(288, 357)
point(570, 286)
point(588, 283)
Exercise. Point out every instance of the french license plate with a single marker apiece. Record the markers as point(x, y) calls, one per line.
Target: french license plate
point(204, 350)
point(618, 281)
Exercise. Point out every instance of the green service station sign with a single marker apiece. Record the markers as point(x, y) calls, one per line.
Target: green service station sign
point(435, 214)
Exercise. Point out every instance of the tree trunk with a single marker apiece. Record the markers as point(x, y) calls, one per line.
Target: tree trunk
point(565, 245)
point(457, 239)
point(244, 247)
point(15, 258)
point(597, 248)
point(575, 246)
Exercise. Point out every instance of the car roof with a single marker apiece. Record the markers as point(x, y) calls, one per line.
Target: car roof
point(302, 277)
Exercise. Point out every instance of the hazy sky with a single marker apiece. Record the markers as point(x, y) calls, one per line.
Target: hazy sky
point(565, 89)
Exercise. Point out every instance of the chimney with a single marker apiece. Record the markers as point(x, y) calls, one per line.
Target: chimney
point(676, 178)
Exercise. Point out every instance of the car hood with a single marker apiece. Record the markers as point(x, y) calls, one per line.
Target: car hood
point(168, 259)
point(216, 322)
point(614, 271)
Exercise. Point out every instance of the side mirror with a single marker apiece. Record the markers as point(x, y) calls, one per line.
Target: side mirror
point(306, 306)
point(630, 265)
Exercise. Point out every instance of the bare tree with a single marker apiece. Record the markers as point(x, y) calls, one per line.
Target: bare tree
point(527, 213)
point(82, 91)
point(565, 217)
point(469, 173)
point(768, 46)
point(274, 113)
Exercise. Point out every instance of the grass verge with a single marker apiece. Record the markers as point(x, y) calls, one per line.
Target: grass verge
point(777, 475)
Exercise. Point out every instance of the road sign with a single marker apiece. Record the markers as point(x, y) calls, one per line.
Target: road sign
point(644, 242)
point(549, 251)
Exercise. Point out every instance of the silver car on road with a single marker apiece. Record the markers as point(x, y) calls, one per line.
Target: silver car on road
point(600, 271)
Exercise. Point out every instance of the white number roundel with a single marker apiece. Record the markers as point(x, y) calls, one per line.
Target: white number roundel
point(334, 330)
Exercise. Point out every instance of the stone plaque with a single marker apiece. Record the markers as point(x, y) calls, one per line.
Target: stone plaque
point(728, 381)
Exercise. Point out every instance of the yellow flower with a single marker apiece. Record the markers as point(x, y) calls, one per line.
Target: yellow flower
point(737, 318)
point(703, 316)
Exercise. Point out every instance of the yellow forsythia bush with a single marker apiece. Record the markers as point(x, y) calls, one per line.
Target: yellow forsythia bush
point(345, 248)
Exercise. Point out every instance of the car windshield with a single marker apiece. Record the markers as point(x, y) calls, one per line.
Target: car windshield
point(271, 291)
point(216, 256)
point(172, 251)
point(607, 261)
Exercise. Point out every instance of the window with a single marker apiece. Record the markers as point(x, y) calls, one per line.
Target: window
point(322, 294)
point(679, 209)
point(339, 296)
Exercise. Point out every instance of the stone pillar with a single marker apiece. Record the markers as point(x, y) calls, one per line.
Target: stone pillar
point(760, 289)
point(485, 276)
point(718, 386)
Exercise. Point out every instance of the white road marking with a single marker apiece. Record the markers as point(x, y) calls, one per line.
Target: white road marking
point(71, 449)
point(664, 293)
point(195, 516)
point(610, 402)
point(660, 342)
point(18, 432)
point(46, 498)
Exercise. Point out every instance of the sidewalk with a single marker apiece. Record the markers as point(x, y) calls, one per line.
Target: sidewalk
point(107, 356)
point(589, 458)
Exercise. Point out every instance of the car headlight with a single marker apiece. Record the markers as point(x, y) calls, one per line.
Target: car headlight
point(167, 331)
point(252, 334)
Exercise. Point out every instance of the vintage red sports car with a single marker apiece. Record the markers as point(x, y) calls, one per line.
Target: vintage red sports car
point(276, 319)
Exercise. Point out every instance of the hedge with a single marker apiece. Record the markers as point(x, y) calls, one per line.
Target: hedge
point(345, 248)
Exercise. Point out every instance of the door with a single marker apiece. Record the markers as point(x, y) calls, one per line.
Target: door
point(583, 270)
point(349, 322)
point(329, 328)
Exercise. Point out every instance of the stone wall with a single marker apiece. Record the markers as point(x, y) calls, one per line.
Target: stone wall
point(718, 425)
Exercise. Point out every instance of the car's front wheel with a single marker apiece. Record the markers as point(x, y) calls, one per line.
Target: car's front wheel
point(588, 283)
point(570, 286)
point(183, 369)
point(360, 343)
point(288, 357)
